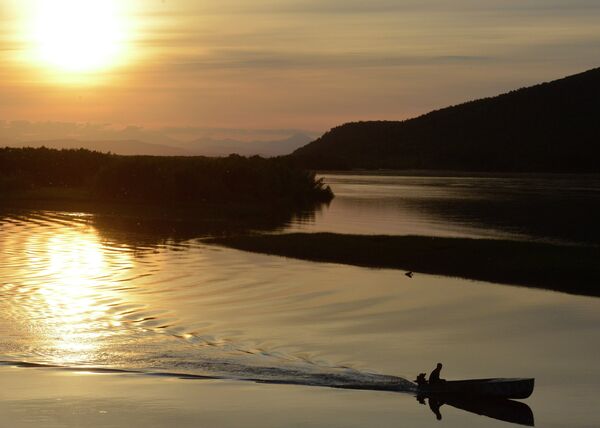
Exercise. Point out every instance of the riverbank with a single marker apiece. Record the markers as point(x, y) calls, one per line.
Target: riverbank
point(569, 269)
point(442, 173)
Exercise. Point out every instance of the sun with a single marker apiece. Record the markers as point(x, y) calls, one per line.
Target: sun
point(79, 36)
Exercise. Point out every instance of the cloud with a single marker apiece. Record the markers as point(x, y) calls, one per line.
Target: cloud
point(346, 7)
point(257, 59)
point(301, 63)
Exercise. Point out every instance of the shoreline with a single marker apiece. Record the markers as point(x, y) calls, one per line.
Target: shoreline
point(441, 173)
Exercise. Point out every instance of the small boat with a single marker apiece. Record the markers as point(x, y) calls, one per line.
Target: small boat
point(496, 388)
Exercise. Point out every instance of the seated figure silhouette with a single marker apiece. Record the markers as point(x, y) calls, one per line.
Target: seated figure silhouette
point(434, 377)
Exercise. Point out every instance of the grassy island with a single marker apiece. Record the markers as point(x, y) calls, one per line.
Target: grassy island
point(570, 269)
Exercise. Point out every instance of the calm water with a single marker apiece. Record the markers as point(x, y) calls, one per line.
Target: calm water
point(78, 294)
point(563, 209)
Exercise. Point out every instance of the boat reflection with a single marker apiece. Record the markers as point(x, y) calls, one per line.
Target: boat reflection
point(512, 411)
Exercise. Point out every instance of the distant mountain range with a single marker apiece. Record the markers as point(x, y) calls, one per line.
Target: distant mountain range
point(551, 127)
point(199, 147)
point(220, 147)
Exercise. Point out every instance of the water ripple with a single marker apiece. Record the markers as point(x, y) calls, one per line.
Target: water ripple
point(70, 298)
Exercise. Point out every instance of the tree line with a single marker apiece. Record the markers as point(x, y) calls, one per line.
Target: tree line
point(156, 179)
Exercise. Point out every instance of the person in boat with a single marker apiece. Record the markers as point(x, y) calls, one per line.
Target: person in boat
point(434, 377)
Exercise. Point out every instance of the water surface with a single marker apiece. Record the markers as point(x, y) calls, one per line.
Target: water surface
point(550, 208)
point(76, 294)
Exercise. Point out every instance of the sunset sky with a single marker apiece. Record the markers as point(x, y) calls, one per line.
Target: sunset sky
point(276, 64)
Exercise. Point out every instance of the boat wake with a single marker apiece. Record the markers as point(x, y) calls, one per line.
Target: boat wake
point(341, 378)
point(71, 299)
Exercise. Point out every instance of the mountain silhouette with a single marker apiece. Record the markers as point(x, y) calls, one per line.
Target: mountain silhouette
point(199, 147)
point(225, 146)
point(551, 127)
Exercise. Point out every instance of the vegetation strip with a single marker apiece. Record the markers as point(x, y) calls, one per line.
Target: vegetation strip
point(569, 269)
point(86, 175)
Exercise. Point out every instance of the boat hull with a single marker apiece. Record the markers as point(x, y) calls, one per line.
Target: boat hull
point(496, 388)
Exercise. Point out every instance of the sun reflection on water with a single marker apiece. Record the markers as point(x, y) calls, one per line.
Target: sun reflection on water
point(73, 295)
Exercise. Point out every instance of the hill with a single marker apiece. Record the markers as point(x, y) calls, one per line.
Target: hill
point(551, 127)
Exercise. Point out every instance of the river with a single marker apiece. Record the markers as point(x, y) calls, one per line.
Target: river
point(78, 295)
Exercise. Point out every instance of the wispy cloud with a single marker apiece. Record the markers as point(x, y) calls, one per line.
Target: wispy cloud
point(340, 7)
point(248, 59)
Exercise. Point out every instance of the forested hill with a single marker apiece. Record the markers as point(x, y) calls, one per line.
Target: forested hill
point(551, 127)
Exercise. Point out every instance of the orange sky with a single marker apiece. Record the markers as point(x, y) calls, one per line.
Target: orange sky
point(279, 64)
